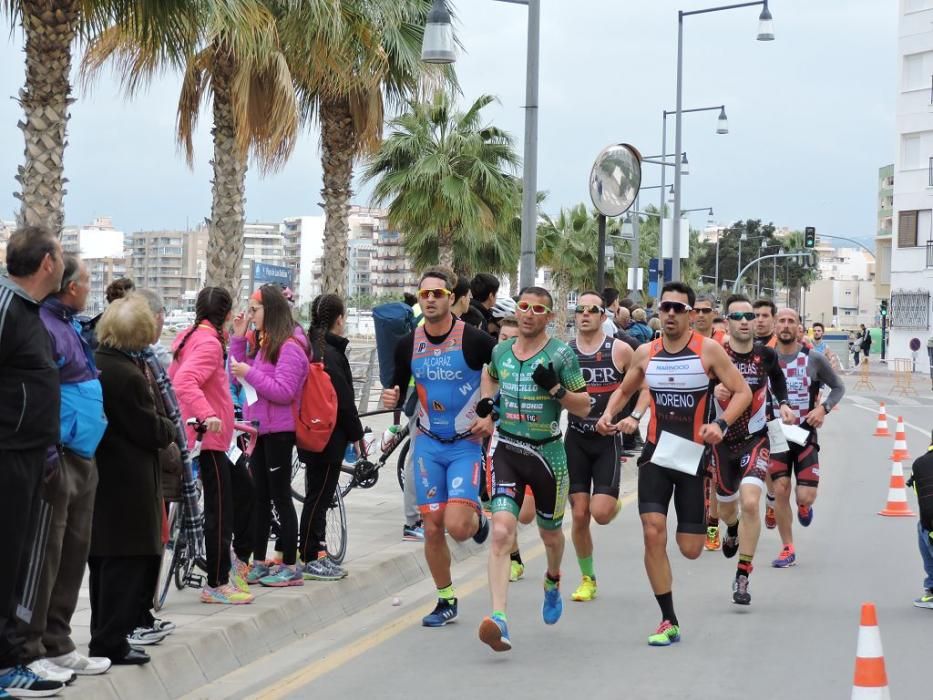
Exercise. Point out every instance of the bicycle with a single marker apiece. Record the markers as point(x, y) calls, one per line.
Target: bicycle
point(182, 555)
point(363, 474)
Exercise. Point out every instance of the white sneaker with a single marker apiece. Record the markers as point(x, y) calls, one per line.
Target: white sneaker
point(145, 636)
point(48, 671)
point(82, 665)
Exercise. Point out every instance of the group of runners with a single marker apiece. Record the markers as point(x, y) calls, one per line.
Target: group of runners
point(715, 399)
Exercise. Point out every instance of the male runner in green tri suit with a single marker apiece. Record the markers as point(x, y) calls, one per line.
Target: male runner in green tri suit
point(536, 377)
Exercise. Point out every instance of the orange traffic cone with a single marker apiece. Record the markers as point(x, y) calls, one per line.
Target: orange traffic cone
point(900, 443)
point(882, 429)
point(897, 494)
point(871, 679)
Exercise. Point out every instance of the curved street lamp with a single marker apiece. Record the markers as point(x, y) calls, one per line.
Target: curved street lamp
point(438, 43)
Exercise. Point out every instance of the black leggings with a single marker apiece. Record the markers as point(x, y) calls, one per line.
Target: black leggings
point(241, 483)
point(321, 478)
point(272, 478)
point(218, 515)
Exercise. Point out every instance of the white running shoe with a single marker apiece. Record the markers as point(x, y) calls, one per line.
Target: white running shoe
point(82, 665)
point(48, 671)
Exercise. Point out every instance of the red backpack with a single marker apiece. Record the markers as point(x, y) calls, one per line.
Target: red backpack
point(316, 415)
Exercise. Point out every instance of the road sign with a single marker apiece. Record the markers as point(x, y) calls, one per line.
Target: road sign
point(265, 273)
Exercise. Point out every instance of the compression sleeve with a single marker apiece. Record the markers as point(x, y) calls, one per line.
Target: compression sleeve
point(820, 370)
point(477, 347)
point(776, 378)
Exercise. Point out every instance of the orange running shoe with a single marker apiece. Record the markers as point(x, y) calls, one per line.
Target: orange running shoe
point(770, 518)
point(712, 539)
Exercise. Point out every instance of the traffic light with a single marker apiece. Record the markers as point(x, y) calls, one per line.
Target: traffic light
point(809, 234)
point(884, 308)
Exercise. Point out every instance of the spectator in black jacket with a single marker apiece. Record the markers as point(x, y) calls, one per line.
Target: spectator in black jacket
point(322, 469)
point(922, 480)
point(29, 425)
point(485, 288)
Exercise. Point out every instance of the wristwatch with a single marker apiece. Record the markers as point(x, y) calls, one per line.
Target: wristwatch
point(785, 402)
point(722, 424)
point(636, 415)
point(559, 394)
point(826, 406)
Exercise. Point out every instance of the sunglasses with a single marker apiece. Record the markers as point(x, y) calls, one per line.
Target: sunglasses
point(536, 309)
point(433, 293)
point(589, 308)
point(742, 316)
point(704, 311)
point(678, 307)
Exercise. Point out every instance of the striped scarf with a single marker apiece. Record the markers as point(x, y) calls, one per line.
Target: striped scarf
point(193, 521)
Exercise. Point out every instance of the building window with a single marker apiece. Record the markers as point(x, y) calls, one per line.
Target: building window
point(915, 77)
point(910, 309)
point(913, 228)
point(912, 151)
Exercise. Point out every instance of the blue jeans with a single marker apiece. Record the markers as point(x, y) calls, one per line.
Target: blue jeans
point(926, 553)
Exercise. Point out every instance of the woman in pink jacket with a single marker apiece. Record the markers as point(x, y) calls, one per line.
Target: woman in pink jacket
point(276, 368)
point(200, 382)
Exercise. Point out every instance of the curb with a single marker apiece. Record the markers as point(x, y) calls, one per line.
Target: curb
point(234, 636)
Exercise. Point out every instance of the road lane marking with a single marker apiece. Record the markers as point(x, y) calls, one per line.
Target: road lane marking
point(922, 431)
point(331, 662)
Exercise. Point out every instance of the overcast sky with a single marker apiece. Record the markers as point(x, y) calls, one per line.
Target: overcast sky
point(811, 115)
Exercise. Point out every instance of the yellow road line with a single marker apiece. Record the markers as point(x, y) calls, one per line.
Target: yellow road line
point(333, 661)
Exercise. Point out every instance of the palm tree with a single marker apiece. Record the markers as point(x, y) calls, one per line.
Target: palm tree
point(447, 179)
point(229, 52)
point(50, 28)
point(349, 70)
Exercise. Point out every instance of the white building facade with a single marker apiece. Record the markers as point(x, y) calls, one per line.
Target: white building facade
point(911, 281)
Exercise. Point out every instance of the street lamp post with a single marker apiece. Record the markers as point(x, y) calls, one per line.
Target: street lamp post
point(765, 33)
point(438, 47)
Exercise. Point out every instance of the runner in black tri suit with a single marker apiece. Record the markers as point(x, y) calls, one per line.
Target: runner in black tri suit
point(677, 368)
point(594, 461)
point(740, 461)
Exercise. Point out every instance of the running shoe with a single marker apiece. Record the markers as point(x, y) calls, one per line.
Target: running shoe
point(445, 611)
point(334, 567)
point(318, 570)
point(553, 606)
point(20, 682)
point(786, 558)
point(586, 590)
point(48, 671)
point(730, 545)
point(665, 635)
point(82, 665)
point(166, 626)
point(283, 576)
point(413, 533)
point(228, 594)
point(770, 517)
point(483, 531)
point(239, 570)
point(145, 636)
point(925, 601)
point(516, 571)
point(258, 570)
point(712, 539)
point(740, 594)
point(494, 631)
point(805, 515)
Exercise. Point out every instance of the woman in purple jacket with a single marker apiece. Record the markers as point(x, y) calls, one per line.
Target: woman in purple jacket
point(276, 368)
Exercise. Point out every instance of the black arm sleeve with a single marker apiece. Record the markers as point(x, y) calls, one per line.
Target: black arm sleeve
point(477, 347)
point(776, 378)
point(402, 376)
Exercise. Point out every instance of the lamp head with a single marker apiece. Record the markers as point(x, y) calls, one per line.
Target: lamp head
point(438, 43)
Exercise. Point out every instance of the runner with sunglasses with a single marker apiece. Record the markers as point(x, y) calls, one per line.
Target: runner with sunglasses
point(446, 358)
point(704, 310)
point(594, 461)
point(536, 378)
point(765, 311)
point(740, 461)
point(677, 367)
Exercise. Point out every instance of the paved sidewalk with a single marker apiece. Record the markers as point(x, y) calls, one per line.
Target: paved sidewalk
point(213, 640)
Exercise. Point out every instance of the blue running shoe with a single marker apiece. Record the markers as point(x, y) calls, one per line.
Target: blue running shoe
point(483, 532)
point(21, 682)
point(553, 606)
point(786, 558)
point(444, 612)
point(495, 632)
point(805, 515)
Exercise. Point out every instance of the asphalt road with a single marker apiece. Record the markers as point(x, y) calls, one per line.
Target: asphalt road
point(797, 639)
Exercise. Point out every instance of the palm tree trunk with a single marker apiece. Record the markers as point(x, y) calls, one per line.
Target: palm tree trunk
point(338, 147)
point(225, 239)
point(49, 27)
point(513, 282)
point(560, 307)
point(445, 249)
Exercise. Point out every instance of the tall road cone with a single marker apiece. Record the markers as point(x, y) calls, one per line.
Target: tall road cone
point(897, 494)
point(900, 443)
point(871, 680)
point(882, 429)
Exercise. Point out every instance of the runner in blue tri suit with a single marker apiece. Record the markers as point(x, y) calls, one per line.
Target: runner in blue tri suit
point(446, 358)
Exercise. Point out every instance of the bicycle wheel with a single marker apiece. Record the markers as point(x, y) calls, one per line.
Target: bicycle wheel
point(400, 465)
point(166, 568)
point(184, 562)
point(298, 478)
point(337, 529)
